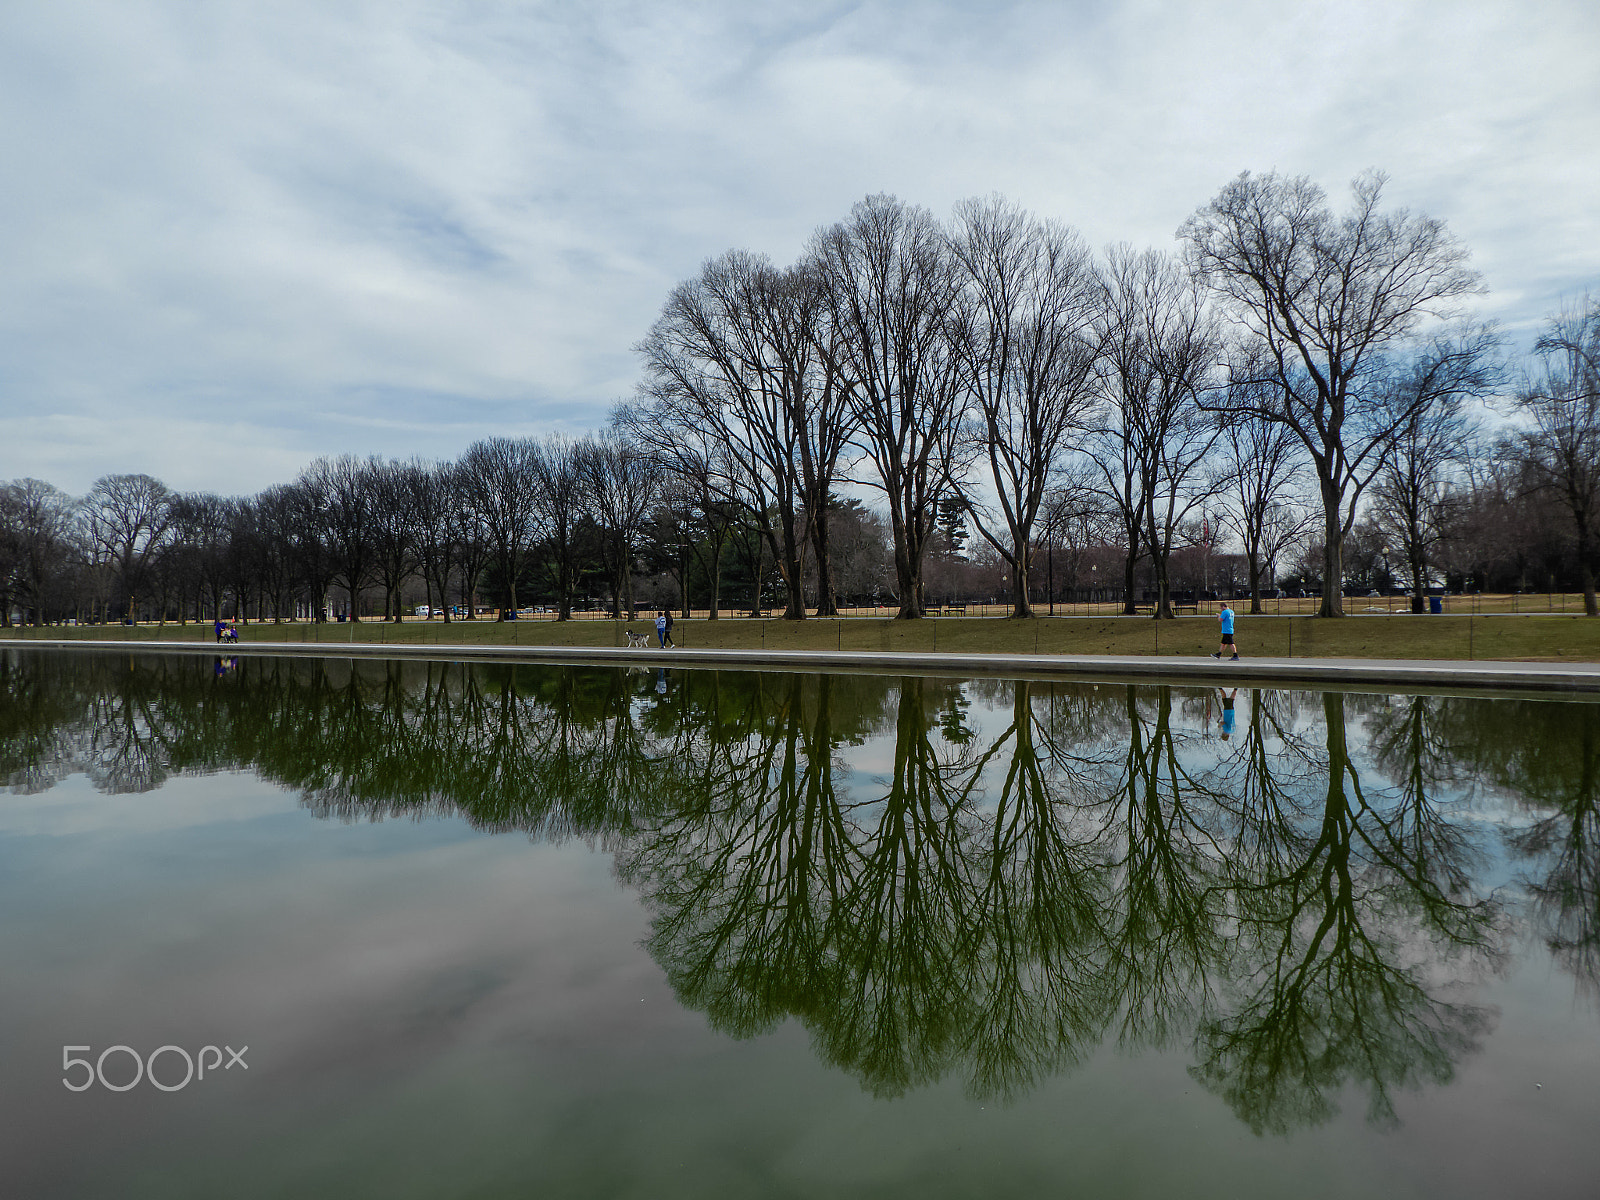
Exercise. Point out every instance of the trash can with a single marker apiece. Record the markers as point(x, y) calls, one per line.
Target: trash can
point(1436, 604)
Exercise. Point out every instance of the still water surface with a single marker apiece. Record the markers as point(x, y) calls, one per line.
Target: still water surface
point(495, 930)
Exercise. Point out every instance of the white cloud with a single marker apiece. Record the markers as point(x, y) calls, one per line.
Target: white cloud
point(239, 235)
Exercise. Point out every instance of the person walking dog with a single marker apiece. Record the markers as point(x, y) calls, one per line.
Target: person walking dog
point(1226, 617)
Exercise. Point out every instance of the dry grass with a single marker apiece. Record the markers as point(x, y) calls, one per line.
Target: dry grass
point(1535, 638)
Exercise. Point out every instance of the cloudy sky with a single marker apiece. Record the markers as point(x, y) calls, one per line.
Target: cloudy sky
point(235, 236)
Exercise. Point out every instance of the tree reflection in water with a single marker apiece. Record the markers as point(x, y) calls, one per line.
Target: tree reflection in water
point(1552, 768)
point(1344, 932)
point(994, 903)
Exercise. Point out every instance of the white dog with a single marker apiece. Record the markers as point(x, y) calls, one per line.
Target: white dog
point(638, 641)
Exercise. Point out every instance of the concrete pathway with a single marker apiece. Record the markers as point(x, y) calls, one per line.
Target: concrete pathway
point(1361, 674)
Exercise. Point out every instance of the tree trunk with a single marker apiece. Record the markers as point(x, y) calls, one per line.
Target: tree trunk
point(564, 581)
point(1163, 589)
point(761, 549)
point(1160, 560)
point(615, 573)
point(908, 579)
point(1332, 554)
point(788, 554)
point(1590, 608)
point(683, 579)
point(827, 600)
point(1021, 605)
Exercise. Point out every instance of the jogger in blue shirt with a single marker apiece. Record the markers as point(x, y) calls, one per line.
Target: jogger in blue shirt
point(1226, 617)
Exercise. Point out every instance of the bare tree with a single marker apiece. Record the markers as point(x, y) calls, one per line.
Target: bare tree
point(624, 481)
point(1111, 471)
point(242, 554)
point(1077, 522)
point(560, 494)
point(303, 529)
point(429, 499)
point(1413, 488)
point(737, 355)
point(1026, 334)
point(862, 552)
point(1501, 524)
point(823, 418)
point(36, 529)
point(394, 528)
point(469, 537)
point(498, 478)
point(275, 510)
point(1561, 398)
point(1329, 297)
point(701, 526)
point(201, 528)
point(343, 501)
point(892, 287)
point(700, 477)
point(1159, 347)
point(1265, 464)
point(129, 517)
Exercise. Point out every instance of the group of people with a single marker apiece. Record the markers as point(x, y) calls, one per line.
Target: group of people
point(226, 632)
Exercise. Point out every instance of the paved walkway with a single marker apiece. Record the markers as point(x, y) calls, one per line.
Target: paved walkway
point(1353, 673)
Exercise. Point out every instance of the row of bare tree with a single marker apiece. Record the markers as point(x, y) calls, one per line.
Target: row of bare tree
point(996, 360)
point(345, 525)
point(1295, 378)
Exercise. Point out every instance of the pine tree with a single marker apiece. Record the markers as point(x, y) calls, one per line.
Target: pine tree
point(951, 522)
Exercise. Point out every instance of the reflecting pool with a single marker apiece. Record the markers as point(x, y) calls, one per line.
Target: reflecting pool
point(510, 930)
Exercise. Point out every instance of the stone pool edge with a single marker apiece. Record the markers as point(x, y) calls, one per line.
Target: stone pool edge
point(1429, 674)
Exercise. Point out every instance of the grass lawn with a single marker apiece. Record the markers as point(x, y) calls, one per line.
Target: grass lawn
point(1539, 638)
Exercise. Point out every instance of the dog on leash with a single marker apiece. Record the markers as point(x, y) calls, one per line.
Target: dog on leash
point(638, 641)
